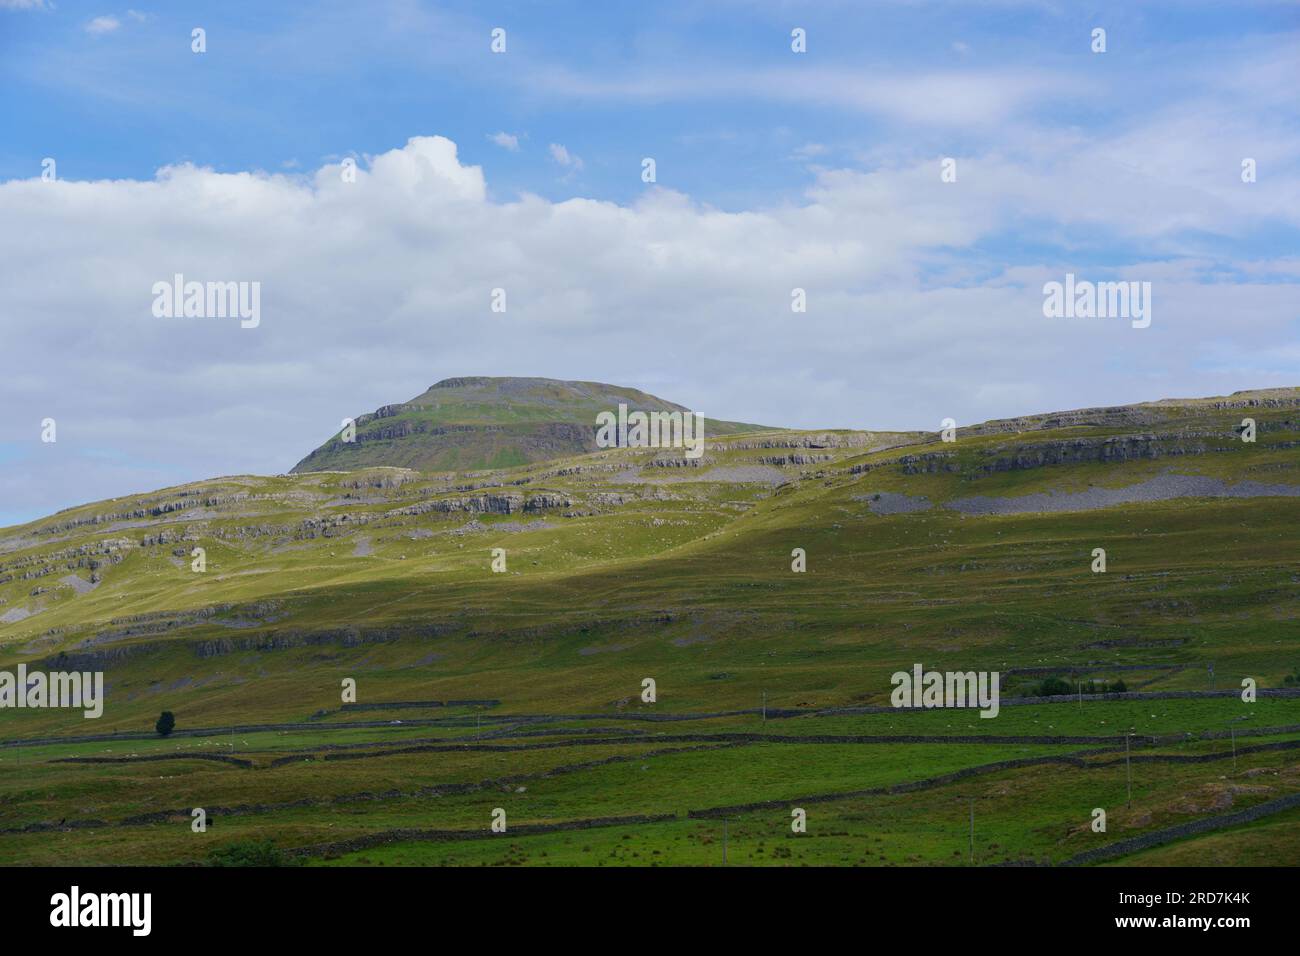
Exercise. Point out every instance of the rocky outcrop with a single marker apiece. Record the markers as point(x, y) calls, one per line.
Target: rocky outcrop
point(385, 479)
point(545, 500)
point(1119, 448)
point(1144, 416)
point(793, 458)
point(927, 464)
point(1070, 451)
point(807, 440)
point(493, 504)
point(183, 501)
point(680, 462)
point(93, 556)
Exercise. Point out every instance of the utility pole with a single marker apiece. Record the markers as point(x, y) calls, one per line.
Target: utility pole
point(724, 841)
point(1128, 770)
point(1232, 731)
point(972, 831)
point(1080, 683)
point(765, 706)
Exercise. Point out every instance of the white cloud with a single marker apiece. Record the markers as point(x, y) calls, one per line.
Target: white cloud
point(566, 159)
point(966, 98)
point(506, 141)
point(809, 151)
point(23, 5)
point(101, 25)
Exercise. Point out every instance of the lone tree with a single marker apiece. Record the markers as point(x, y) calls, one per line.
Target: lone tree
point(165, 723)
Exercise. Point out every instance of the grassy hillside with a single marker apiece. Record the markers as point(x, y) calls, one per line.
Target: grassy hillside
point(522, 690)
point(464, 424)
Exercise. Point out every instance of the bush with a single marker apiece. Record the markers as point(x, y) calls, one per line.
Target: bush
point(166, 723)
point(249, 853)
point(1054, 687)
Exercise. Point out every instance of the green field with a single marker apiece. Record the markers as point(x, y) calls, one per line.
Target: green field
point(772, 686)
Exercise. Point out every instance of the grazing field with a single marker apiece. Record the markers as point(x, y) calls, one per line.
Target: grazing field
point(522, 689)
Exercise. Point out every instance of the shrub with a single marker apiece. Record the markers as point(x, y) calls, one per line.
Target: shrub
point(1054, 687)
point(249, 853)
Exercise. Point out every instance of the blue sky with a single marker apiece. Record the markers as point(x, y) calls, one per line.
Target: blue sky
point(774, 170)
point(286, 86)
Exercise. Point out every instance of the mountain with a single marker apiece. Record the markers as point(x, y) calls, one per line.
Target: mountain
point(473, 424)
point(499, 628)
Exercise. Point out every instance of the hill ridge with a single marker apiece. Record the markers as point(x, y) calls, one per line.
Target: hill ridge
point(472, 423)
